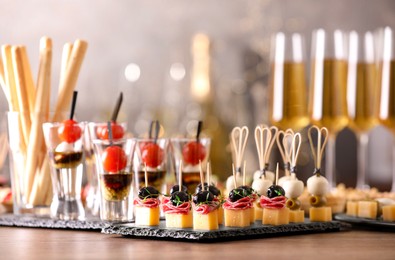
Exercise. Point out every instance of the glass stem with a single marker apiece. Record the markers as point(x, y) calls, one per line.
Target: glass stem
point(362, 150)
point(330, 162)
point(393, 165)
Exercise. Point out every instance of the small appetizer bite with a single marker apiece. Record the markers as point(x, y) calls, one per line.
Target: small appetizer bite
point(237, 207)
point(215, 191)
point(177, 208)
point(274, 210)
point(263, 179)
point(118, 131)
point(205, 209)
point(318, 185)
point(292, 186)
point(147, 203)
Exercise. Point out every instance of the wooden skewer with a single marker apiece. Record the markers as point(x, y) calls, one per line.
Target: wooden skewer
point(146, 175)
point(68, 83)
point(239, 142)
point(280, 144)
point(274, 132)
point(234, 175)
point(39, 117)
point(208, 173)
point(321, 133)
point(201, 175)
point(244, 172)
point(180, 177)
point(263, 136)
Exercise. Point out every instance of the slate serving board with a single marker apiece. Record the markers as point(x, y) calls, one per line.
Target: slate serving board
point(257, 230)
point(46, 222)
point(378, 223)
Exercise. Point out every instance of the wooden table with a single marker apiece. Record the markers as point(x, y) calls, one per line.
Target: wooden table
point(31, 243)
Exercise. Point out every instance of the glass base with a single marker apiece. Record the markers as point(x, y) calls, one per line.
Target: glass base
point(116, 211)
point(67, 210)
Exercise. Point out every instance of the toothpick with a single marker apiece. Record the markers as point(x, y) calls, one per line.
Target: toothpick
point(234, 175)
point(208, 173)
point(180, 177)
point(244, 173)
point(277, 174)
point(201, 175)
point(146, 176)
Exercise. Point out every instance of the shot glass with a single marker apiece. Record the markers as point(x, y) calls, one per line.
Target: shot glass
point(114, 166)
point(65, 150)
point(151, 155)
point(191, 152)
point(96, 131)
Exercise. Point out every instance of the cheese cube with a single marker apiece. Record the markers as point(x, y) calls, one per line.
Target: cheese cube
point(205, 221)
point(252, 215)
point(275, 216)
point(258, 211)
point(320, 214)
point(352, 208)
point(367, 209)
point(174, 220)
point(237, 217)
point(389, 213)
point(147, 216)
point(296, 216)
point(220, 215)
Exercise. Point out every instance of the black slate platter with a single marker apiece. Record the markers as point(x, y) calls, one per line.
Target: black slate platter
point(257, 230)
point(378, 223)
point(46, 222)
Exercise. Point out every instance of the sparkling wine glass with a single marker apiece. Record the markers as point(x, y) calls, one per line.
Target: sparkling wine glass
point(386, 110)
point(288, 101)
point(328, 86)
point(362, 96)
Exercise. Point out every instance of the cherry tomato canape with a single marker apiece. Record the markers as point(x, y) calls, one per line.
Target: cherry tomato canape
point(114, 159)
point(116, 129)
point(69, 131)
point(193, 152)
point(152, 154)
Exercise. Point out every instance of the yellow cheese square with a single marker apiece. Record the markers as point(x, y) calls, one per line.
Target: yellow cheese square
point(258, 211)
point(275, 216)
point(320, 214)
point(367, 209)
point(174, 220)
point(237, 218)
point(205, 221)
point(220, 215)
point(252, 215)
point(296, 216)
point(389, 213)
point(147, 216)
point(352, 208)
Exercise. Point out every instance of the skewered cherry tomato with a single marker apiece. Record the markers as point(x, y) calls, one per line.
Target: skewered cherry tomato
point(193, 152)
point(114, 159)
point(116, 129)
point(69, 131)
point(152, 155)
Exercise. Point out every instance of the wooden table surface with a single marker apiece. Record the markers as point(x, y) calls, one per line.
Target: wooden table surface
point(34, 243)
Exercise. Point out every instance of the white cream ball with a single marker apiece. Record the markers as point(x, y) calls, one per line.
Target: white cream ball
point(293, 187)
point(268, 175)
point(230, 184)
point(317, 185)
point(261, 186)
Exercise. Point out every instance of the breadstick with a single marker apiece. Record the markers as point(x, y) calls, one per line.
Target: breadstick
point(21, 90)
point(39, 117)
point(9, 77)
point(30, 87)
point(66, 53)
point(4, 86)
point(67, 85)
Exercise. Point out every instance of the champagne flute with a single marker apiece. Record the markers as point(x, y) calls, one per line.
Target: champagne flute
point(386, 110)
point(288, 102)
point(328, 104)
point(362, 96)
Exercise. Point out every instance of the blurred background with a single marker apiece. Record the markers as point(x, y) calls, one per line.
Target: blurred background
point(143, 48)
